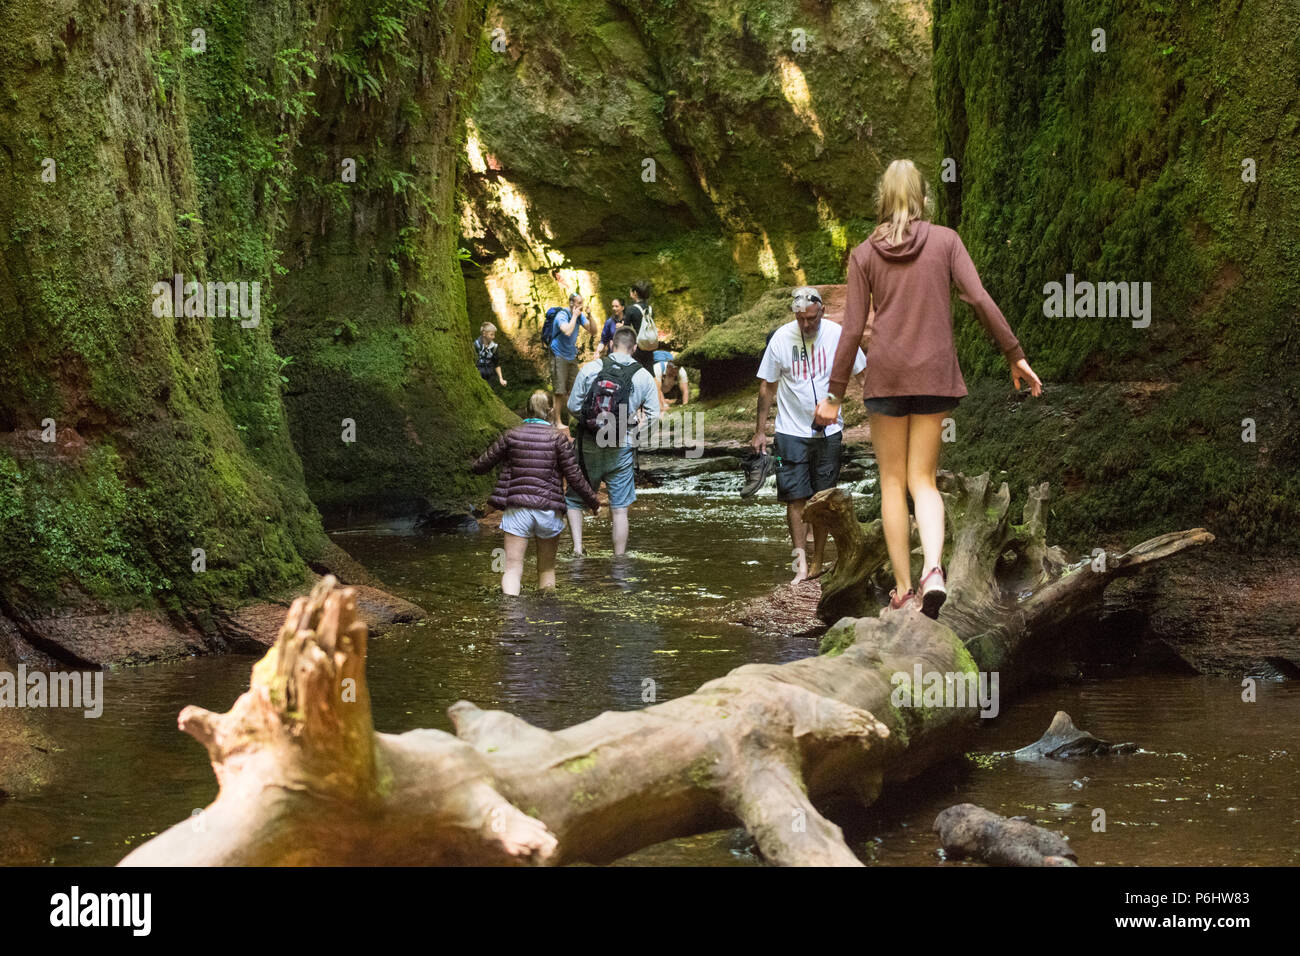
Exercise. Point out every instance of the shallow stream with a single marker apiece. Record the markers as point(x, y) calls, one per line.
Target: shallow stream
point(1215, 781)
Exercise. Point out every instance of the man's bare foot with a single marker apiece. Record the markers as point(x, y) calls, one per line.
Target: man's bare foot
point(815, 570)
point(800, 565)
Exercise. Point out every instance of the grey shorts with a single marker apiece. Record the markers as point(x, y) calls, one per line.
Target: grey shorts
point(808, 465)
point(899, 406)
point(563, 373)
point(532, 523)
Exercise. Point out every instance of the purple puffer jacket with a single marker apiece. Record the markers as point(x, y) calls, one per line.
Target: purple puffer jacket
point(532, 458)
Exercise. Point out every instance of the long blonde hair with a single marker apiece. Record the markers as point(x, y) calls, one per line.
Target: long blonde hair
point(900, 198)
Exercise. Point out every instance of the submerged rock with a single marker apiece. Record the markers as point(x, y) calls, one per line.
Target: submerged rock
point(1063, 739)
point(100, 638)
point(662, 469)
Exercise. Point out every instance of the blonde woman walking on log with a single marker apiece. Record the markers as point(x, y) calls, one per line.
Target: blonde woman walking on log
point(907, 268)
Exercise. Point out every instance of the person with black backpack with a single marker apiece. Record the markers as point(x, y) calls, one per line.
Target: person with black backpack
point(613, 398)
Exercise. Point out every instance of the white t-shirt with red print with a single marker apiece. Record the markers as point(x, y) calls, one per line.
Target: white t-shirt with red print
point(802, 367)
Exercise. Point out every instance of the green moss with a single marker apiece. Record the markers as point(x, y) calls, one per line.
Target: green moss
point(744, 335)
point(838, 639)
point(145, 442)
point(58, 522)
point(373, 311)
point(700, 772)
point(965, 663)
point(1127, 165)
point(580, 764)
point(173, 431)
point(384, 781)
point(1127, 464)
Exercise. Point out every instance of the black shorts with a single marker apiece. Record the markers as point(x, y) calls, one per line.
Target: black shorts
point(646, 359)
point(808, 465)
point(897, 406)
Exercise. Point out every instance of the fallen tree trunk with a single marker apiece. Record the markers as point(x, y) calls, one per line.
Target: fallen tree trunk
point(989, 559)
point(305, 779)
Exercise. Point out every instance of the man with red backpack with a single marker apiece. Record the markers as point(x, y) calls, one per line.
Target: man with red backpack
point(613, 399)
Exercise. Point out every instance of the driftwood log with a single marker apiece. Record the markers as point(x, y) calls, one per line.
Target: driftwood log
point(305, 778)
point(970, 832)
point(987, 556)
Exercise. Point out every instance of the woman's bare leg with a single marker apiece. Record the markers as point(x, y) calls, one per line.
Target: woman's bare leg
point(889, 436)
point(515, 548)
point(922, 465)
point(546, 548)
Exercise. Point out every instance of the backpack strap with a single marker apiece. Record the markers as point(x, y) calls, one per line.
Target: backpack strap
point(623, 371)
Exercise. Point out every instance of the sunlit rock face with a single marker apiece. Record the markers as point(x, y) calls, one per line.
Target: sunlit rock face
point(715, 148)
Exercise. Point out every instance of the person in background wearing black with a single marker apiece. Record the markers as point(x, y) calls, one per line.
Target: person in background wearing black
point(634, 315)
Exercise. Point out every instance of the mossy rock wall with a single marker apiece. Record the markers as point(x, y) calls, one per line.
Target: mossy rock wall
point(1127, 165)
point(764, 155)
point(148, 462)
point(171, 432)
point(373, 302)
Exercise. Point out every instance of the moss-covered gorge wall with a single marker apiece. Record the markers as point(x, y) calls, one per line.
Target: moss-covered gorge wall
point(373, 303)
point(1171, 156)
point(135, 149)
point(766, 123)
point(146, 461)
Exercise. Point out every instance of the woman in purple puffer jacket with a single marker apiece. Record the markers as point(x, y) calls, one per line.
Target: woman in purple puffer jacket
point(533, 457)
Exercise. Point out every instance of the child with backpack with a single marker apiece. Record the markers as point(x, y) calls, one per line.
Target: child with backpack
point(485, 352)
point(535, 459)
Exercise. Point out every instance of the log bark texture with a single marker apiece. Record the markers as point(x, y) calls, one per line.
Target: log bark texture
point(305, 778)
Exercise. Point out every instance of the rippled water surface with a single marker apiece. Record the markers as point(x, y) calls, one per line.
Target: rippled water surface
point(1214, 782)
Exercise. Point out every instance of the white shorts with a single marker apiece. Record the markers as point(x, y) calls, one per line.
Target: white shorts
point(532, 523)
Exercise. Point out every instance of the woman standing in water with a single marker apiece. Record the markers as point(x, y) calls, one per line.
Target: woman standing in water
point(907, 268)
point(535, 459)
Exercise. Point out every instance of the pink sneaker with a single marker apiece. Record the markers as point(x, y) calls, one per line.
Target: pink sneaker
point(896, 603)
point(933, 592)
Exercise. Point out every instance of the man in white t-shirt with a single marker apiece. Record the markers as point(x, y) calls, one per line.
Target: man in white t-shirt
point(796, 370)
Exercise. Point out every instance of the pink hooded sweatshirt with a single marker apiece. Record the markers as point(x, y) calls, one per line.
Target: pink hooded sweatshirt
point(911, 350)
